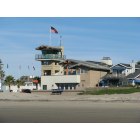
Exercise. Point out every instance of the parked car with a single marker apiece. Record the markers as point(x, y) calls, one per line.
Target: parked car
point(26, 90)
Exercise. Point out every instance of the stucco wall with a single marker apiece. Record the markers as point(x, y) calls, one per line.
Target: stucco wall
point(91, 78)
point(52, 67)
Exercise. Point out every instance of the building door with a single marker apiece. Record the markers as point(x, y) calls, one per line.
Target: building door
point(44, 87)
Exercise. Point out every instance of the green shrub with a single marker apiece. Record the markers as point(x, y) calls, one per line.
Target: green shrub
point(102, 91)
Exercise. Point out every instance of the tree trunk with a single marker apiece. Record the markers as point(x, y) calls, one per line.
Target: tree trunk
point(36, 86)
point(9, 88)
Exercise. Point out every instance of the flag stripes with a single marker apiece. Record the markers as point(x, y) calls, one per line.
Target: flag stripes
point(53, 30)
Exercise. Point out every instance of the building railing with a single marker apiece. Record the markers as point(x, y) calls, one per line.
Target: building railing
point(49, 56)
point(115, 75)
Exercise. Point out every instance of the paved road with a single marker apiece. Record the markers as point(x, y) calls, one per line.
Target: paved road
point(68, 112)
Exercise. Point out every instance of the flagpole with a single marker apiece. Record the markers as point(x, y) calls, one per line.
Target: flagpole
point(60, 40)
point(19, 71)
point(50, 37)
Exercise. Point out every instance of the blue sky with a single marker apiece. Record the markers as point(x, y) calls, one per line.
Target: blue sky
point(83, 39)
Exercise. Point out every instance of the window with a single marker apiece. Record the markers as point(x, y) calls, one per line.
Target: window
point(45, 63)
point(66, 86)
point(83, 71)
point(56, 71)
point(44, 87)
point(47, 72)
point(62, 86)
point(70, 87)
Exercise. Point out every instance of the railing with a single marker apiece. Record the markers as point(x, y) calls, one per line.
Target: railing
point(49, 56)
point(115, 75)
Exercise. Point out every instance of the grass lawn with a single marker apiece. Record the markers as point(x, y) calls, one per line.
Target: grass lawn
point(102, 91)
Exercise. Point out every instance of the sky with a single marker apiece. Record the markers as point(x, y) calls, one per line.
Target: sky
point(83, 38)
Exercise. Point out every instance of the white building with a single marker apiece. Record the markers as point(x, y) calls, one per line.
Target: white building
point(28, 85)
point(125, 69)
point(67, 74)
point(107, 60)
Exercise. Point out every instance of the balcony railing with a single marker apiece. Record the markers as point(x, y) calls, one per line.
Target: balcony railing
point(114, 75)
point(49, 56)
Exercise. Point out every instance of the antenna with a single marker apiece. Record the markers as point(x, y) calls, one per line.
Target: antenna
point(60, 40)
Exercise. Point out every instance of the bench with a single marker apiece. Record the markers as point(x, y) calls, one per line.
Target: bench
point(57, 91)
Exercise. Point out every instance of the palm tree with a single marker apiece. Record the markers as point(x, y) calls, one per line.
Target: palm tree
point(9, 80)
point(1, 71)
point(19, 83)
point(37, 80)
point(2, 74)
point(1, 78)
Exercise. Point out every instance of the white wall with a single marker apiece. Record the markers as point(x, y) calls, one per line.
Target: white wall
point(108, 62)
point(0, 86)
point(51, 80)
point(15, 88)
point(131, 70)
point(128, 71)
point(133, 66)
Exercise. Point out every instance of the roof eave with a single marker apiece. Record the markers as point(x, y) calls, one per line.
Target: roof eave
point(46, 47)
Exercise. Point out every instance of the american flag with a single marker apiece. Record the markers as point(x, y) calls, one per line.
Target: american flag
point(53, 30)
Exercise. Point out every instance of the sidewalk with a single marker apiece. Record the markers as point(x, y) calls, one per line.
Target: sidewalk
point(135, 97)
